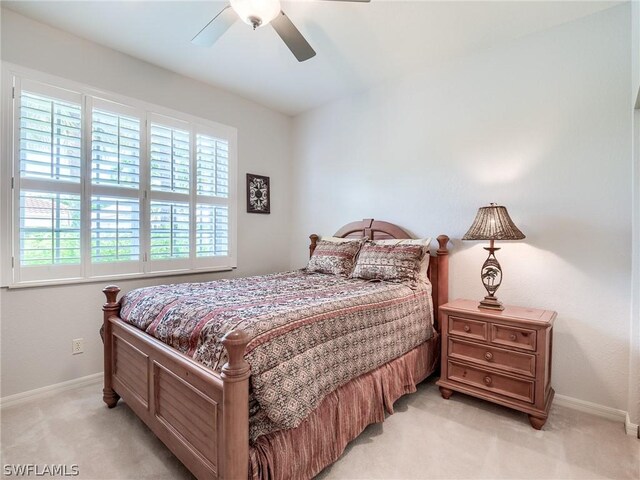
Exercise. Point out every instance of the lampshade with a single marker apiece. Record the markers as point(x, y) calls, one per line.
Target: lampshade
point(256, 12)
point(493, 223)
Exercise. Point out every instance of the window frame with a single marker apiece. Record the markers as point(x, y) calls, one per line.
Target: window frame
point(13, 80)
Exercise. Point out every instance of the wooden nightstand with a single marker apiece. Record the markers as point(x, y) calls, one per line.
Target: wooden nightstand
point(500, 356)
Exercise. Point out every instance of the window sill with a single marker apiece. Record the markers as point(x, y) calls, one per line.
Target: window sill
point(114, 278)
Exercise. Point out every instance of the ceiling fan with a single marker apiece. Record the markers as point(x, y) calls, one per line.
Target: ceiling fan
point(258, 13)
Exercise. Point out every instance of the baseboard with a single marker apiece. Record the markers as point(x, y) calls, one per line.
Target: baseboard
point(631, 428)
point(599, 411)
point(19, 398)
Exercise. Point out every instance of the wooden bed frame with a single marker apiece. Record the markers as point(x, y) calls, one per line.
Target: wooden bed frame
point(157, 381)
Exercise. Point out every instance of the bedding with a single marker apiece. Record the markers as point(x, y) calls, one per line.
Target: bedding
point(309, 333)
point(423, 274)
point(399, 263)
point(302, 452)
point(338, 239)
point(337, 258)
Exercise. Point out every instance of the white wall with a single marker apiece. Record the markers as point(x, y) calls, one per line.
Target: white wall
point(635, 50)
point(634, 344)
point(540, 125)
point(39, 323)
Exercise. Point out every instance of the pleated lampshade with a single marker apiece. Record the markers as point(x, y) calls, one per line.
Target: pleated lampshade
point(493, 223)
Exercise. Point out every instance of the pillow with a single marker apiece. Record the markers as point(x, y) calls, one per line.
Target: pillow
point(337, 258)
point(341, 240)
point(404, 241)
point(397, 262)
point(425, 242)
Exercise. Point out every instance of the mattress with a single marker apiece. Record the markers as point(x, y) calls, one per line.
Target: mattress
point(309, 333)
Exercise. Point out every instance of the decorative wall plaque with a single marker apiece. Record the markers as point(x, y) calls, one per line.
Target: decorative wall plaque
point(258, 194)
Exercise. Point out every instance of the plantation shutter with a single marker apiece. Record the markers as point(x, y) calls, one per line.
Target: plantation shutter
point(212, 215)
point(116, 195)
point(115, 149)
point(170, 228)
point(213, 228)
point(48, 184)
point(103, 189)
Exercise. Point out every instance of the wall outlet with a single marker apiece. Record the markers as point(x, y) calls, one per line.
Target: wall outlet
point(77, 346)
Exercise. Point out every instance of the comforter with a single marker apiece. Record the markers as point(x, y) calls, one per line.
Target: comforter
point(309, 333)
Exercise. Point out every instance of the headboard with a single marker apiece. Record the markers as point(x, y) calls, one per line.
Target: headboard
point(378, 230)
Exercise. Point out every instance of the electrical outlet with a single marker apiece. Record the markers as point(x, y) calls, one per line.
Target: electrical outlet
point(77, 346)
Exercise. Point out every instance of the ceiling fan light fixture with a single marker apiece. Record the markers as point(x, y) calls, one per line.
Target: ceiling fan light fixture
point(256, 13)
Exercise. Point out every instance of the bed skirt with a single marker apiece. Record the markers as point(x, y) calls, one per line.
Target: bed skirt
point(304, 451)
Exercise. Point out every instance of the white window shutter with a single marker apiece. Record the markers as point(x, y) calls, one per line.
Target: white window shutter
point(106, 187)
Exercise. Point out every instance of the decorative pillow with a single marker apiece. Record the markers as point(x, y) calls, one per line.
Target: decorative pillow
point(393, 263)
point(337, 258)
point(340, 239)
point(423, 275)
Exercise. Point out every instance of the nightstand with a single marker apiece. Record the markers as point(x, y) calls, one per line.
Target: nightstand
point(500, 356)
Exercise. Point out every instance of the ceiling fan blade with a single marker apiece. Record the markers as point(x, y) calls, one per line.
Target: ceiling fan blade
point(215, 28)
point(292, 37)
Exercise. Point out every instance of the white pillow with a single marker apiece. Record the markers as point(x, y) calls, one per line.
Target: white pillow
point(339, 239)
point(405, 241)
point(425, 242)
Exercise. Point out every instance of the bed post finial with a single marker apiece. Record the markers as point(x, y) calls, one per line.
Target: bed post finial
point(235, 342)
point(442, 245)
point(111, 292)
point(314, 241)
point(112, 307)
point(235, 422)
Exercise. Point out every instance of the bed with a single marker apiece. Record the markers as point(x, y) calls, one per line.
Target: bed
point(198, 396)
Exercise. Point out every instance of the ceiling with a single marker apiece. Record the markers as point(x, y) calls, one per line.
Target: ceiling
point(358, 45)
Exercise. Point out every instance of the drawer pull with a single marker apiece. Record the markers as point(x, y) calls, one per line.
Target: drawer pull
point(487, 380)
point(488, 356)
point(513, 337)
point(466, 328)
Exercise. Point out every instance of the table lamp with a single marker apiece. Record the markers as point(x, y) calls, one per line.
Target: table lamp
point(492, 223)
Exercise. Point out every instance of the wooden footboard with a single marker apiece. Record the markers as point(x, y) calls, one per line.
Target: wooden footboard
point(202, 417)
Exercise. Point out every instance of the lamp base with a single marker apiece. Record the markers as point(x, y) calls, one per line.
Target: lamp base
point(491, 303)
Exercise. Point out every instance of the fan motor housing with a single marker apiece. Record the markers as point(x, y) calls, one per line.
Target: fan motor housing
point(254, 21)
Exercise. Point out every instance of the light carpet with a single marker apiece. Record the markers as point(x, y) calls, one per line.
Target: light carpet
point(427, 437)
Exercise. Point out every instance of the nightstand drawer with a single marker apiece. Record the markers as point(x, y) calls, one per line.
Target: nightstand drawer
point(514, 362)
point(468, 328)
point(493, 382)
point(513, 337)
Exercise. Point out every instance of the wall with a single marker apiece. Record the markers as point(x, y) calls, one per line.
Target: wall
point(634, 344)
point(635, 49)
point(39, 323)
point(540, 125)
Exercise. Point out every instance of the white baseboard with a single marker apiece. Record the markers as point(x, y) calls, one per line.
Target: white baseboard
point(599, 411)
point(19, 398)
point(631, 428)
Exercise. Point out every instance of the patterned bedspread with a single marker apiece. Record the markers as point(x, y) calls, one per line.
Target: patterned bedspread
point(310, 333)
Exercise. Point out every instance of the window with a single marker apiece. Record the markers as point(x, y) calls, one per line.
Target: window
point(106, 187)
point(115, 229)
point(115, 188)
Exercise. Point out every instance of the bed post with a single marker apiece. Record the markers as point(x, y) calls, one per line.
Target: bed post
point(314, 241)
point(111, 308)
point(443, 275)
point(235, 416)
